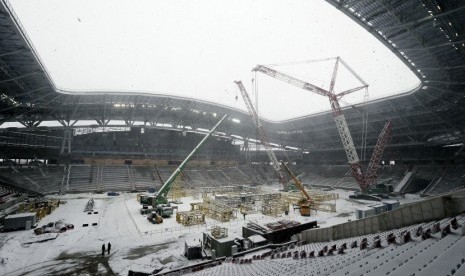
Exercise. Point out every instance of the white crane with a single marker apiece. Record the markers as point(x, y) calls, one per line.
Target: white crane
point(261, 133)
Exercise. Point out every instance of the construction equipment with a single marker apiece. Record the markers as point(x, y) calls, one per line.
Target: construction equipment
point(145, 199)
point(305, 203)
point(160, 200)
point(155, 218)
point(261, 133)
point(340, 120)
point(375, 161)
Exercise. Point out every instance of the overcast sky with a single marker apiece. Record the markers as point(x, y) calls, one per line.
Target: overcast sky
point(197, 49)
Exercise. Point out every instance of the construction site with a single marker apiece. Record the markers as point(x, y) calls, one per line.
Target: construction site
point(295, 168)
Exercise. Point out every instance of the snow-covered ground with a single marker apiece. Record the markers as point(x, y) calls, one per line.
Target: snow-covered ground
point(136, 244)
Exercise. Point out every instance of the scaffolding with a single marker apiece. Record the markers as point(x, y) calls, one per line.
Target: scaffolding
point(215, 210)
point(248, 208)
point(275, 208)
point(236, 200)
point(325, 206)
point(188, 218)
point(223, 189)
point(219, 232)
point(319, 200)
point(40, 208)
point(228, 189)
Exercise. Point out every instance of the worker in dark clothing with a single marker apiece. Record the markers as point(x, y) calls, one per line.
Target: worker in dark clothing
point(109, 247)
point(103, 249)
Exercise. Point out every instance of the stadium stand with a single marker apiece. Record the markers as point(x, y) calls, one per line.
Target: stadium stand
point(385, 253)
point(81, 178)
point(145, 177)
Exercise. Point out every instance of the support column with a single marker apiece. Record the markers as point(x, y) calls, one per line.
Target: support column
point(66, 142)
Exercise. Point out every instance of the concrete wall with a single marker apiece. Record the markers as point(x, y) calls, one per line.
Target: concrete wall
point(426, 210)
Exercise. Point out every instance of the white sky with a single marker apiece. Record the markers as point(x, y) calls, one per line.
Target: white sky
point(197, 49)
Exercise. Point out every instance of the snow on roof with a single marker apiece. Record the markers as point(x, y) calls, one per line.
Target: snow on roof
point(21, 215)
point(256, 239)
point(193, 243)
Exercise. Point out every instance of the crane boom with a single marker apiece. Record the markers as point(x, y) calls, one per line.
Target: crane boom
point(339, 117)
point(297, 181)
point(261, 132)
point(161, 197)
point(290, 79)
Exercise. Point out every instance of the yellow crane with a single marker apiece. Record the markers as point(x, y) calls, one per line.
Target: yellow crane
point(305, 203)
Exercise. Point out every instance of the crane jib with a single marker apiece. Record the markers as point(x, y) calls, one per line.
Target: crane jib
point(162, 193)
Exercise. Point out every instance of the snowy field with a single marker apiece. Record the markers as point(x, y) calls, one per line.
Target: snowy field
point(136, 244)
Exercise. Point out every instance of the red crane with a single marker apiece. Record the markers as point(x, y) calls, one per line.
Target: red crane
point(340, 120)
point(375, 160)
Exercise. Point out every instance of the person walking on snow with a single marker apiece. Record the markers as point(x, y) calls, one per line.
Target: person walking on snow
point(109, 247)
point(103, 249)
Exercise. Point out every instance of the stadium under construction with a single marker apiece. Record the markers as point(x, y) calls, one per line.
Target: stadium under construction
point(182, 186)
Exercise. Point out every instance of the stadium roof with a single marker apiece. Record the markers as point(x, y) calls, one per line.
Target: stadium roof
point(428, 36)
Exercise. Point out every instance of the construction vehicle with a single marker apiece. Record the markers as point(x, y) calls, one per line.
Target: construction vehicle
point(160, 200)
point(290, 185)
point(262, 134)
point(155, 218)
point(306, 203)
point(145, 199)
point(364, 181)
point(145, 210)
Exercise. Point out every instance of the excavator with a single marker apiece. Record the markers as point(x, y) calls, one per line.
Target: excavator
point(306, 203)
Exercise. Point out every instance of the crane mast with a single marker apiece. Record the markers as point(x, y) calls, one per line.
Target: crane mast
point(374, 165)
point(261, 132)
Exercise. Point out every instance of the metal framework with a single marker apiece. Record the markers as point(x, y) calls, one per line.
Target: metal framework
point(215, 210)
point(188, 218)
point(235, 200)
point(375, 161)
